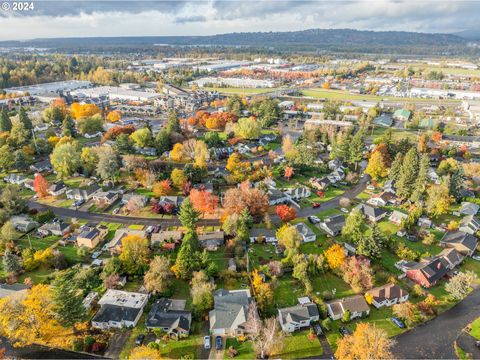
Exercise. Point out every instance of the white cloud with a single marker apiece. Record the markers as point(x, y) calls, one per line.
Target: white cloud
point(130, 18)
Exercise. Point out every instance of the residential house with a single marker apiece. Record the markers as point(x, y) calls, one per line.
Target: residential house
point(119, 309)
point(91, 236)
point(115, 244)
point(230, 312)
point(41, 166)
point(424, 222)
point(372, 214)
point(89, 300)
point(174, 200)
point(470, 225)
point(333, 225)
point(464, 243)
point(402, 115)
point(211, 240)
point(433, 176)
point(383, 120)
point(15, 179)
point(299, 316)
point(105, 198)
point(389, 186)
point(23, 224)
point(388, 295)
point(298, 193)
point(397, 217)
point(451, 258)
point(58, 228)
point(320, 184)
point(305, 232)
point(269, 235)
point(84, 194)
point(168, 316)
point(356, 305)
point(148, 151)
point(57, 188)
point(382, 199)
point(336, 175)
point(276, 197)
point(7, 290)
point(142, 200)
point(169, 236)
point(427, 272)
point(468, 208)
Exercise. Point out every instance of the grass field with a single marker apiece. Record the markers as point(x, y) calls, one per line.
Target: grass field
point(343, 95)
point(475, 329)
point(299, 346)
point(244, 349)
point(240, 91)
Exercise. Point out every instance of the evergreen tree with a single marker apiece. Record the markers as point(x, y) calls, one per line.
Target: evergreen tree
point(245, 221)
point(187, 215)
point(355, 151)
point(68, 127)
point(173, 123)
point(370, 245)
point(162, 141)
point(68, 298)
point(11, 262)
point(457, 183)
point(422, 179)
point(408, 174)
point(5, 122)
point(24, 119)
point(188, 259)
point(396, 168)
point(20, 160)
point(352, 231)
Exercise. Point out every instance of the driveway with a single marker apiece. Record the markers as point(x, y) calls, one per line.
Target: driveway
point(434, 340)
point(116, 344)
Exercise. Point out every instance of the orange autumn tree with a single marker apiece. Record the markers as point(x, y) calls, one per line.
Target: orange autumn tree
point(162, 188)
point(289, 172)
point(367, 342)
point(253, 199)
point(40, 185)
point(80, 111)
point(285, 213)
point(204, 201)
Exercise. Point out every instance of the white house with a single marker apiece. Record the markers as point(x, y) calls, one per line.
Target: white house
point(299, 316)
point(119, 309)
point(388, 295)
point(306, 233)
point(356, 305)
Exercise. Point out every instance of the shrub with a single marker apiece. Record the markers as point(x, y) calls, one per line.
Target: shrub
point(327, 295)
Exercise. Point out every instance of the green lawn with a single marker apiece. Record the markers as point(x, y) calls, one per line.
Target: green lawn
point(70, 253)
point(38, 276)
point(37, 243)
point(262, 254)
point(244, 349)
point(287, 292)
point(475, 329)
point(298, 346)
point(188, 348)
point(331, 282)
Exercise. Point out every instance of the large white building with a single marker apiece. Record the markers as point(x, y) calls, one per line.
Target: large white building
point(234, 82)
point(116, 93)
point(52, 87)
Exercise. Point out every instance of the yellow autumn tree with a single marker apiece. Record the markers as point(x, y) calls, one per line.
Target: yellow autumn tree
point(32, 320)
point(263, 291)
point(80, 111)
point(177, 152)
point(144, 353)
point(335, 256)
point(114, 116)
point(367, 342)
point(377, 167)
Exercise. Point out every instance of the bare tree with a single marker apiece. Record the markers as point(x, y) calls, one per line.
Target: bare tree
point(265, 335)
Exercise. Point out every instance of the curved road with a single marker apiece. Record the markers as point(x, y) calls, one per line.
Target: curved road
point(434, 339)
point(128, 220)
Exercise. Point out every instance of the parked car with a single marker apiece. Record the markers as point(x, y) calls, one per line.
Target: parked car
point(318, 329)
point(78, 203)
point(476, 257)
point(313, 219)
point(206, 342)
point(218, 343)
point(139, 340)
point(344, 210)
point(370, 187)
point(344, 331)
point(398, 322)
point(412, 238)
point(315, 205)
point(116, 211)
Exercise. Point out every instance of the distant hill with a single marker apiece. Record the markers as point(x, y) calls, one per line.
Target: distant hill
point(470, 34)
point(313, 39)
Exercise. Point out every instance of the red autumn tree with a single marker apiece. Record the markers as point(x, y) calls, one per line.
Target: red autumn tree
point(289, 172)
point(286, 213)
point(437, 136)
point(40, 185)
point(204, 201)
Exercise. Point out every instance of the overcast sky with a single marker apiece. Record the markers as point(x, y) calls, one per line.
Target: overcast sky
point(132, 18)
